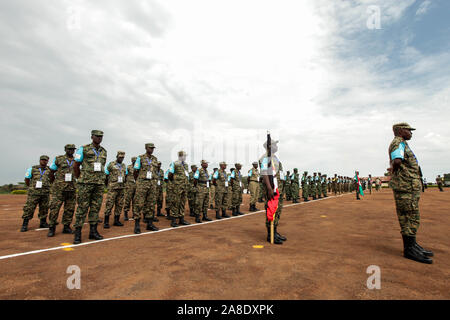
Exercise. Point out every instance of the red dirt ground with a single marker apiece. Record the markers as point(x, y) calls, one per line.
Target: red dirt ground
point(330, 245)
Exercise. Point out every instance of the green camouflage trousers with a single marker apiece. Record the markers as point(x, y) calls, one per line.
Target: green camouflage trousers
point(236, 198)
point(230, 198)
point(32, 201)
point(130, 191)
point(324, 190)
point(159, 197)
point(178, 200)
point(295, 189)
point(221, 198)
point(212, 194)
point(60, 197)
point(407, 204)
point(254, 191)
point(114, 199)
point(89, 199)
point(191, 196)
point(202, 199)
point(145, 200)
point(169, 195)
point(305, 191)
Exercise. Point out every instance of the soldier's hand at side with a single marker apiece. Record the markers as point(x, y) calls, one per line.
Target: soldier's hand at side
point(270, 193)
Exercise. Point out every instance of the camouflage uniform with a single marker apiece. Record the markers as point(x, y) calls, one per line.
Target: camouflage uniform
point(212, 191)
point(145, 197)
point(159, 190)
point(230, 191)
point(324, 185)
point(313, 187)
point(221, 192)
point(180, 183)
point(169, 192)
point(202, 198)
point(130, 190)
point(37, 195)
point(236, 187)
point(90, 184)
point(305, 186)
point(192, 191)
point(295, 186)
point(63, 192)
point(253, 174)
point(406, 185)
point(116, 173)
point(287, 187)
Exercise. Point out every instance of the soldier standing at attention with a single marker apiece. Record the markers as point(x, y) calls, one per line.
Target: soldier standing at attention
point(406, 185)
point(201, 183)
point(159, 190)
point(63, 190)
point(295, 186)
point(116, 173)
point(230, 191)
point(439, 183)
point(169, 193)
point(130, 189)
point(334, 184)
point(178, 175)
point(38, 182)
point(314, 186)
point(324, 185)
point(90, 184)
point(220, 180)
point(253, 186)
point(146, 176)
point(287, 188)
point(369, 183)
point(236, 187)
point(329, 185)
point(270, 171)
point(377, 184)
point(305, 189)
point(192, 191)
point(212, 190)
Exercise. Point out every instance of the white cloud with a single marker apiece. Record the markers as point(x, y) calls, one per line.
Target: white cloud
point(423, 8)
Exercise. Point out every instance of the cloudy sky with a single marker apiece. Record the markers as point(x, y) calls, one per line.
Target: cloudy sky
point(327, 78)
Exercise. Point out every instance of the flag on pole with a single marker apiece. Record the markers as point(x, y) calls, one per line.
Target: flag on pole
point(272, 205)
point(360, 189)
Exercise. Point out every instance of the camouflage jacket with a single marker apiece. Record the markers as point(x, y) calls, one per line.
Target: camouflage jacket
point(88, 155)
point(116, 173)
point(221, 180)
point(253, 174)
point(180, 173)
point(38, 174)
point(148, 169)
point(407, 177)
point(62, 165)
point(130, 176)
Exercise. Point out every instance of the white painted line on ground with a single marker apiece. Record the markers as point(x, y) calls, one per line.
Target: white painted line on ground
point(153, 232)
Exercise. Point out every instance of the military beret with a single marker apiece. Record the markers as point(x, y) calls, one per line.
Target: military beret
point(223, 163)
point(120, 153)
point(44, 157)
point(402, 125)
point(97, 133)
point(255, 162)
point(237, 164)
point(133, 159)
point(69, 146)
point(193, 166)
point(182, 153)
point(203, 161)
point(150, 145)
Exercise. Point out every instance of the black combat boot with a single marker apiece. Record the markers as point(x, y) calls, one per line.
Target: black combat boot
point(77, 238)
point(314, 198)
point(168, 214)
point(218, 217)
point(24, 226)
point(305, 199)
point(279, 236)
point(137, 226)
point(276, 240)
point(224, 213)
point(205, 217)
point(191, 213)
point(173, 223)
point(66, 229)
point(233, 212)
point(125, 216)
point(93, 233)
point(117, 222)
point(238, 211)
point(43, 223)
point(51, 231)
point(155, 219)
point(425, 252)
point(260, 200)
point(158, 212)
point(106, 224)
point(211, 207)
point(197, 218)
point(411, 252)
point(151, 226)
point(250, 208)
point(183, 222)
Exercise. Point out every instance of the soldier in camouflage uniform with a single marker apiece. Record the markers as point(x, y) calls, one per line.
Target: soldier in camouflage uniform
point(90, 184)
point(313, 186)
point(63, 190)
point(130, 189)
point(169, 193)
point(178, 174)
point(38, 183)
point(220, 180)
point(159, 190)
point(201, 183)
point(324, 185)
point(116, 173)
point(305, 186)
point(236, 189)
point(440, 183)
point(295, 186)
point(212, 190)
point(253, 186)
point(146, 176)
point(272, 167)
point(230, 191)
point(406, 185)
point(192, 191)
point(287, 186)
